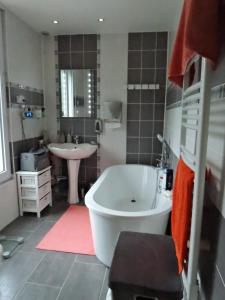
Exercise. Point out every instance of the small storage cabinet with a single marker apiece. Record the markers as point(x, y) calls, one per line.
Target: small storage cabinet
point(34, 189)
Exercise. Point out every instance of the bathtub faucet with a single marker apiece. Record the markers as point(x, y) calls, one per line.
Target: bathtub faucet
point(163, 161)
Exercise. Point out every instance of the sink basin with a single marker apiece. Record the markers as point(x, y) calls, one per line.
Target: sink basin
point(72, 151)
point(73, 154)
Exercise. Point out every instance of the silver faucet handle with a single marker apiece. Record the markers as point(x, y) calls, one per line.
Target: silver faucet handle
point(76, 139)
point(159, 162)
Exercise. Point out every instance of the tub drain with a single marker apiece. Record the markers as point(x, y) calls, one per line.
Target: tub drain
point(133, 200)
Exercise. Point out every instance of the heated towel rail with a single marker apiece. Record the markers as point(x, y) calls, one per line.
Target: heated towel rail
point(194, 136)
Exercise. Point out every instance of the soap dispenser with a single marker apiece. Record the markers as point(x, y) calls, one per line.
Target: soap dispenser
point(98, 126)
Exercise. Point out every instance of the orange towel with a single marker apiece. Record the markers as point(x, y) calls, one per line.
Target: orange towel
point(181, 210)
point(199, 32)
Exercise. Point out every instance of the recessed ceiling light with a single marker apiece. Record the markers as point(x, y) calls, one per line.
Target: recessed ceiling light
point(100, 19)
point(55, 22)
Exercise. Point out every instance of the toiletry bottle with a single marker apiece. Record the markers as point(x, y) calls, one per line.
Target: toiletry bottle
point(169, 179)
point(1, 253)
point(69, 138)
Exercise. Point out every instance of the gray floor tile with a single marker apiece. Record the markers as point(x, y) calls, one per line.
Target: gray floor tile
point(83, 283)
point(105, 287)
point(22, 224)
point(53, 269)
point(36, 236)
point(15, 271)
point(37, 292)
point(56, 211)
point(90, 259)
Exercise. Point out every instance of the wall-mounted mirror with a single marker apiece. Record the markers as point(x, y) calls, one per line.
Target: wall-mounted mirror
point(77, 93)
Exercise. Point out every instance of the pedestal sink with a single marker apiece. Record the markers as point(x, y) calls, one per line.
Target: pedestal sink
point(73, 153)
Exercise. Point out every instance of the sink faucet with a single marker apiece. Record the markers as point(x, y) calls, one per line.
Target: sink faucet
point(76, 139)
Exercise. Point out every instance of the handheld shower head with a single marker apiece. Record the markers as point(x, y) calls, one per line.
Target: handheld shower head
point(160, 138)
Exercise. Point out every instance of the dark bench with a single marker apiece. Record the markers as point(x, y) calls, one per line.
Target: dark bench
point(145, 266)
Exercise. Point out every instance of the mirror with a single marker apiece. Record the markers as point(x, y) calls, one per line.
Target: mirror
point(77, 93)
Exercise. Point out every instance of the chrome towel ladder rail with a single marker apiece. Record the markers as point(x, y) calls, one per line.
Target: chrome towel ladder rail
point(194, 138)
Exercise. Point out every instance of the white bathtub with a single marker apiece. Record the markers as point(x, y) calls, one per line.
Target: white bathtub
point(112, 210)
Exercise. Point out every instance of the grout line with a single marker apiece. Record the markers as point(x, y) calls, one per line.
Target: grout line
point(140, 102)
point(154, 110)
point(88, 263)
point(102, 287)
point(26, 280)
point(43, 284)
point(67, 276)
point(220, 275)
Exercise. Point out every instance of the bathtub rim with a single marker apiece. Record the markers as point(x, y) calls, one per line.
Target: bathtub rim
point(104, 211)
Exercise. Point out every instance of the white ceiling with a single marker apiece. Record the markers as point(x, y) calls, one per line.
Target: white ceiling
point(80, 16)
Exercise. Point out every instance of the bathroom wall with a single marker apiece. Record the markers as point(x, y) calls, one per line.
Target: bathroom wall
point(139, 58)
point(24, 69)
point(23, 55)
point(113, 80)
point(212, 263)
point(147, 60)
point(80, 52)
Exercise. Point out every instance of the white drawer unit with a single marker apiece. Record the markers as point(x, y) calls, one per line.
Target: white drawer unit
point(34, 189)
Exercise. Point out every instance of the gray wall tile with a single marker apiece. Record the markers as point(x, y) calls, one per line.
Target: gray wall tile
point(149, 40)
point(159, 112)
point(147, 112)
point(148, 75)
point(162, 40)
point(158, 128)
point(90, 42)
point(149, 108)
point(77, 43)
point(64, 43)
point(133, 112)
point(160, 77)
point(145, 159)
point(134, 59)
point(90, 60)
point(133, 96)
point(132, 158)
point(133, 128)
point(148, 59)
point(161, 59)
point(147, 96)
point(134, 41)
point(146, 129)
point(146, 145)
point(134, 76)
point(76, 60)
point(64, 61)
point(133, 145)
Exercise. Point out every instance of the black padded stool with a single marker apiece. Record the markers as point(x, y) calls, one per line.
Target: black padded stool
point(145, 266)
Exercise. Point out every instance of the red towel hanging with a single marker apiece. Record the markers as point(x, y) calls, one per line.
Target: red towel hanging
point(199, 33)
point(181, 210)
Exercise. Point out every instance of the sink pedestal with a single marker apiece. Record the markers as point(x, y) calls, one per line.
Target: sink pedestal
point(73, 170)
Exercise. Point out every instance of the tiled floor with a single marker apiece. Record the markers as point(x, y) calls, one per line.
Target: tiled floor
point(46, 275)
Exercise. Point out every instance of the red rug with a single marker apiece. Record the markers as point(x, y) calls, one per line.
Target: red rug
point(72, 233)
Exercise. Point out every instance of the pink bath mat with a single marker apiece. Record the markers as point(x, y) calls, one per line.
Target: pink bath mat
point(72, 233)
